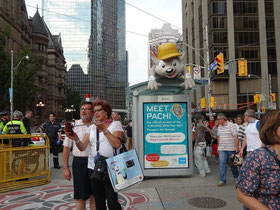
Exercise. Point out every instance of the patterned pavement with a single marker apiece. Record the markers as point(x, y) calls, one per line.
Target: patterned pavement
point(58, 197)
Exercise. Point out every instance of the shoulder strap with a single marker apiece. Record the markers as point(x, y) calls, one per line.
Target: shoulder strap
point(97, 140)
point(273, 155)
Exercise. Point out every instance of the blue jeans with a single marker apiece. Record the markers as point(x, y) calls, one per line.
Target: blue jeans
point(223, 160)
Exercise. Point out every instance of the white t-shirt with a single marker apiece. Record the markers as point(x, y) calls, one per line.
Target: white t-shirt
point(252, 136)
point(105, 148)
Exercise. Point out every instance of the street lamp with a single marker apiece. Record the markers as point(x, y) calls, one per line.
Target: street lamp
point(12, 79)
point(40, 105)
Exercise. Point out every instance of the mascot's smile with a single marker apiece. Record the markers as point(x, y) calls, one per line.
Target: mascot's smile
point(171, 72)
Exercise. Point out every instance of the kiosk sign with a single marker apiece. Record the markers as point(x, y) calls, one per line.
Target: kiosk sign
point(165, 135)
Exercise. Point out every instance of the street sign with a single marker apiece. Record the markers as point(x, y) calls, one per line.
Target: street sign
point(212, 65)
point(196, 72)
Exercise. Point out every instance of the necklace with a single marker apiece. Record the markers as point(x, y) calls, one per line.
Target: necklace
point(108, 121)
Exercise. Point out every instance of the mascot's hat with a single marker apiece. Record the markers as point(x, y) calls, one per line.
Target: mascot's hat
point(167, 50)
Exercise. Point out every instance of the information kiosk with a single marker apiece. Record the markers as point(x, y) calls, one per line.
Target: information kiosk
point(162, 132)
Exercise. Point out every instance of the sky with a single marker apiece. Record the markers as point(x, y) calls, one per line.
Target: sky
point(141, 23)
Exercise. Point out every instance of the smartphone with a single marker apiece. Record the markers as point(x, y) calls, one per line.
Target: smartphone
point(68, 128)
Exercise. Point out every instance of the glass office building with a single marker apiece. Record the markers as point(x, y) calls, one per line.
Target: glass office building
point(107, 54)
point(71, 18)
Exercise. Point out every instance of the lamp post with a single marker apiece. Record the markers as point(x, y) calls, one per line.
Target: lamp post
point(12, 79)
point(72, 110)
point(40, 105)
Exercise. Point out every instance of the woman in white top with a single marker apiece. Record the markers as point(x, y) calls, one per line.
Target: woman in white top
point(110, 135)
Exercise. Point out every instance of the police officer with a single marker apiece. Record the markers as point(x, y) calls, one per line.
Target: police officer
point(4, 119)
point(15, 126)
point(51, 127)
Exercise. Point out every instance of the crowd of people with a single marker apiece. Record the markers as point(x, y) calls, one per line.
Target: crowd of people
point(256, 141)
point(97, 121)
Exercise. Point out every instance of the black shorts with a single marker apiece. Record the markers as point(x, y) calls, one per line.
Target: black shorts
point(82, 186)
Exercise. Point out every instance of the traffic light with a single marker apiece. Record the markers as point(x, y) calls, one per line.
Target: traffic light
point(242, 68)
point(257, 98)
point(212, 102)
point(203, 103)
point(272, 97)
point(220, 63)
point(263, 108)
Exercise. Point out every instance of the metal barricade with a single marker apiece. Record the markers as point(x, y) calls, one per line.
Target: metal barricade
point(24, 166)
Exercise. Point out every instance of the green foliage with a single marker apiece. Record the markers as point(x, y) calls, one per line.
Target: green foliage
point(24, 76)
point(5, 70)
point(25, 88)
point(73, 97)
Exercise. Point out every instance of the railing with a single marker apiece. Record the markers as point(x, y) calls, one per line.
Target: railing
point(24, 166)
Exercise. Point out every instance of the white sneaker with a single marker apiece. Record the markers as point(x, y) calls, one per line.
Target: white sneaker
point(221, 183)
point(203, 175)
point(208, 172)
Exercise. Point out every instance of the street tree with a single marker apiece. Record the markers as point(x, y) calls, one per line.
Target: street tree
point(73, 99)
point(5, 69)
point(25, 87)
point(24, 76)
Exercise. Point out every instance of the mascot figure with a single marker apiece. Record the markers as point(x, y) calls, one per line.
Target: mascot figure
point(169, 64)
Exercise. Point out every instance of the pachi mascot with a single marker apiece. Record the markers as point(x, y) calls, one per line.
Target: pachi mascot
point(169, 64)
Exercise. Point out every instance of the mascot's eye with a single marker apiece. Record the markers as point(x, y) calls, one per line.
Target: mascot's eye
point(162, 64)
point(175, 62)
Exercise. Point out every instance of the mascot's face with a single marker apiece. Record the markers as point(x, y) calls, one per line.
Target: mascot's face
point(169, 68)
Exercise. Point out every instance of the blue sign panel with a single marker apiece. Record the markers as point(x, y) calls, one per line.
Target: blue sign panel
point(165, 135)
point(212, 65)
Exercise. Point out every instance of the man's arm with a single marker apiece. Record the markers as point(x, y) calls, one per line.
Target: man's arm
point(218, 140)
point(236, 143)
point(244, 144)
point(65, 159)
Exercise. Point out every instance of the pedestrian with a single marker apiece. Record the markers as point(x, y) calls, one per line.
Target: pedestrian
point(241, 126)
point(227, 146)
point(81, 179)
point(128, 130)
point(208, 140)
point(258, 182)
point(199, 148)
point(252, 139)
point(53, 130)
point(26, 120)
point(211, 122)
point(215, 142)
point(15, 126)
point(103, 137)
point(4, 119)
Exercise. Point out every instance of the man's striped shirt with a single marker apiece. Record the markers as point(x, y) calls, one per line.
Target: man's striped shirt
point(226, 134)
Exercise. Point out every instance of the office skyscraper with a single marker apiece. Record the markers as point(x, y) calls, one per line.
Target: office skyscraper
point(238, 29)
point(107, 54)
point(71, 18)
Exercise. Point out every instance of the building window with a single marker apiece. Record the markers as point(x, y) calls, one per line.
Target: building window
point(219, 22)
point(220, 37)
point(219, 8)
point(250, 22)
point(245, 7)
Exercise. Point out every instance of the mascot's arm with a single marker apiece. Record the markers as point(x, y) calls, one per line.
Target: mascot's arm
point(153, 84)
point(188, 83)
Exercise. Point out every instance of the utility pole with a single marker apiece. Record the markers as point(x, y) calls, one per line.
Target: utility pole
point(208, 72)
point(12, 85)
